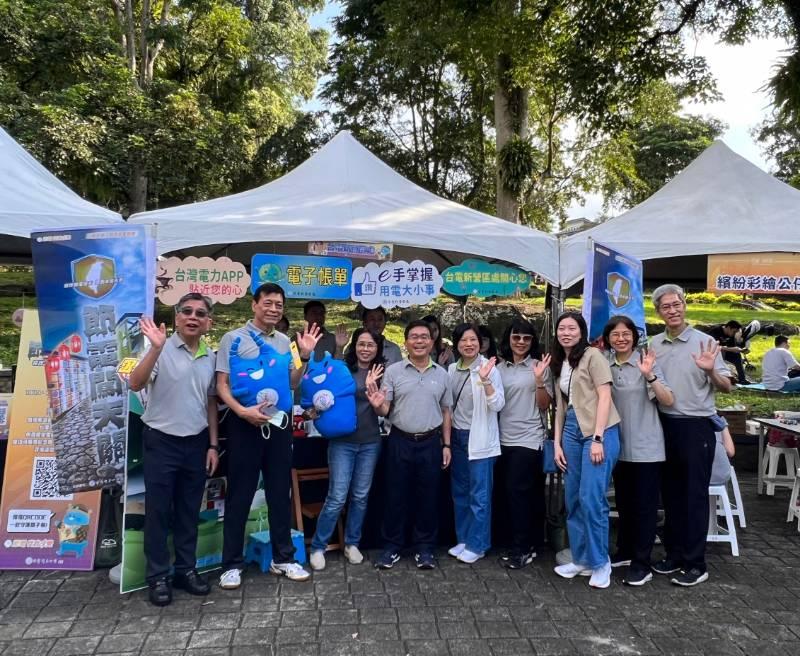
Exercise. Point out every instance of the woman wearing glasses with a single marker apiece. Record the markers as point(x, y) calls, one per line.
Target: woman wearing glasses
point(586, 448)
point(636, 386)
point(528, 386)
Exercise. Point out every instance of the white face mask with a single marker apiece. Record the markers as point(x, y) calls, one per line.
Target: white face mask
point(275, 417)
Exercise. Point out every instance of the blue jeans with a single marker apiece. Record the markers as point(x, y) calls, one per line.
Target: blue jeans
point(350, 467)
point(585, 487)
point(791, 385)
point(471, 484)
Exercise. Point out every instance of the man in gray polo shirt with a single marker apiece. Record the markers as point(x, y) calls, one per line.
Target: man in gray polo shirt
point(694, 367)
point(415, 395)
point(253, 447)
point(180, 443)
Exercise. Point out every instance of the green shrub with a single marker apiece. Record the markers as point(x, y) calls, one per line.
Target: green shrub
point(729, 298)
point(701, 298)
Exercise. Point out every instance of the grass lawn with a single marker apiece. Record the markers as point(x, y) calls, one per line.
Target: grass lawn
point(13, 282)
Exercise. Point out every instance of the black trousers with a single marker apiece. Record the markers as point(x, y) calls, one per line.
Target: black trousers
point(521, 469)
point(249, 455)
point(690, 444)
point(413, 478)
point(736, 360)
point(636, 486)
point(174, 479)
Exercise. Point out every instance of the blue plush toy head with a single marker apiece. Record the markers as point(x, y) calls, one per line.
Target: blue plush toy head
point(262, 379)
point(329, 387)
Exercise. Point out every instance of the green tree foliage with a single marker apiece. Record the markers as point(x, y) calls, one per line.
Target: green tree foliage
point(454, 91)
point(141, 103)
point(657, 143)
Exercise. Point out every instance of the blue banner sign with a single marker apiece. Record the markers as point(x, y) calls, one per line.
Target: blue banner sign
point(303, 276)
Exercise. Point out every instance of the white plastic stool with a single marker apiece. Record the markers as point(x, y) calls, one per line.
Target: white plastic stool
point(718, 500)
point(794, 501)
point(770, 467)
point(737, 507)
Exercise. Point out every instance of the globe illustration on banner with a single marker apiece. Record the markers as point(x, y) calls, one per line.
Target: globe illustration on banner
point(270, 273)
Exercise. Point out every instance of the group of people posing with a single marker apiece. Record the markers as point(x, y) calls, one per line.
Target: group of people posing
point(643, 417)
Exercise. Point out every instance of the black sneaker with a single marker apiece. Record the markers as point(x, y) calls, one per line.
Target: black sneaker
point(689, 578)
point(425, 561)
point(160, 592)
point(619, 560)
point(192, 582)
point(666, 566)
point(387, 560)
point(517, 560)
point(637, 577)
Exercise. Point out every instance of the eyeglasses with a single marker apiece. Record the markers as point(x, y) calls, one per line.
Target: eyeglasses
point(522, 338)
point(665, 307)
point(625, 335)
point(200, 313)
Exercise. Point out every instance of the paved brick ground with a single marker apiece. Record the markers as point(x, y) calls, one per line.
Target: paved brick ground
point(750, 605)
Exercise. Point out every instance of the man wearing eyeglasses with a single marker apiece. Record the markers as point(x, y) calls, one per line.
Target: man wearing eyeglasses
point(416, 397)
point(180, 443)
point(694, 369)
point(254, 448)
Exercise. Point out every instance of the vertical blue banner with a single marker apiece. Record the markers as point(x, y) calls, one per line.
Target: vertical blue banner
point(613, 284)
point(92, 285)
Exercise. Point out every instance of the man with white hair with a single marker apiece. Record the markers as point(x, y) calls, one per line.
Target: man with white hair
point(694, 368)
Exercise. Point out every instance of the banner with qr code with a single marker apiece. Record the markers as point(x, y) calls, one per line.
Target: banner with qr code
point(41, 527)
point(92, 286)
point(754, 273)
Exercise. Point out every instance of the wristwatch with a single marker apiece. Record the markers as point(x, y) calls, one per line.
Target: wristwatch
point(653, 379)
point(597, 438)
point(214, 446)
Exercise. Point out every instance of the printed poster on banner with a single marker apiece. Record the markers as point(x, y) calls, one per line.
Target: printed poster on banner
point(93, 285)
point(40, 526)
point(355, 250)
point(482, 279)
point(612, 285)
point(395, 284)
point(754, 273)
point(304, 276)
point(222, 280)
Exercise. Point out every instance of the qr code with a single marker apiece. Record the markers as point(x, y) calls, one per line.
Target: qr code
point(44, 482)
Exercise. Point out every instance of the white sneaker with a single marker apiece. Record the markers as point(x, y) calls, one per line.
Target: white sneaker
point(601, 576)
point(455, 552)
point(469, 557)
point(230, 579)
point(317, 559)
point(571, 570)
point(292, 571)
point(353, 554)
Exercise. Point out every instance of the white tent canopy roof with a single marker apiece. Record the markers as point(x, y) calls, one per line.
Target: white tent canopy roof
point(345, 193)
point(32, 198)
point(720, 203)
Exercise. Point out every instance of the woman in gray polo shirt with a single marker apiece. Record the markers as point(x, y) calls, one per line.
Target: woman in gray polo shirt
point(637, 383)
point(528, 386)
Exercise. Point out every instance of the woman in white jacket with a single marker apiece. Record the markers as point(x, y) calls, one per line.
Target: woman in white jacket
point(477, 391)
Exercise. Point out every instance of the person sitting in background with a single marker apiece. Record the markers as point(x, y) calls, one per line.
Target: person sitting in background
point(723, 452)
point(779, 368)
point(729, 337)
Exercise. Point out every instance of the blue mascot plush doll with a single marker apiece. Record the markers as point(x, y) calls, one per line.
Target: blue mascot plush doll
point(329, 388)
point(262, 379)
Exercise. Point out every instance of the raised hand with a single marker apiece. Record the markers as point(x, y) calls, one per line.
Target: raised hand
point(342, 336)
point(708, 355)
point(374, 375)
point(157, 335)
point(540, 368)
point(486, 369)
point(647, 362)
point(308, 338)
point(375, 396)
point(445, 355)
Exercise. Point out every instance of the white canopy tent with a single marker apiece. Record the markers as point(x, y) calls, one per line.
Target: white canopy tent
point(345, 193)
point(32, 198)
point(720, 203)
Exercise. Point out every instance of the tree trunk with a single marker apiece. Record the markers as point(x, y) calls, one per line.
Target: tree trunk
point(510, 120)
point(137, 196)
